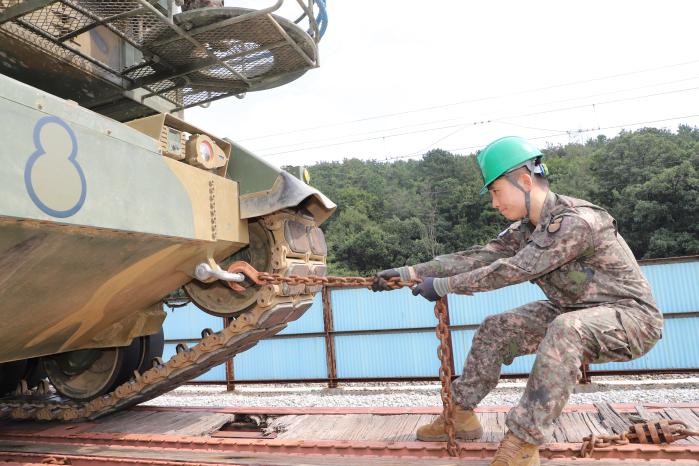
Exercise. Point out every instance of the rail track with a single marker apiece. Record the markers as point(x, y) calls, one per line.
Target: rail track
point(315, 436)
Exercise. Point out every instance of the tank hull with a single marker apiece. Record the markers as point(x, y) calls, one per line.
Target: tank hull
point(96, 226)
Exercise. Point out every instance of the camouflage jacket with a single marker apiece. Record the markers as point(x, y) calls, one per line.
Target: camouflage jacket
point(574, 254)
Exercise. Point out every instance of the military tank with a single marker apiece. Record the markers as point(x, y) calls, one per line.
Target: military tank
point(112, 203)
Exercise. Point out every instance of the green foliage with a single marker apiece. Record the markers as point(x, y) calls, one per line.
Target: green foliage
point(405, 212)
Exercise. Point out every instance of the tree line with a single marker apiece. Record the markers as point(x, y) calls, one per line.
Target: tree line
point(408, 211)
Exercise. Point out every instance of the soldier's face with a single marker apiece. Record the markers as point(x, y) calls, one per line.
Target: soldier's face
point(507, 199)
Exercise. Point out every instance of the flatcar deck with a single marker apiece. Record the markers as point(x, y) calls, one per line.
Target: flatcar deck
point(285, 436)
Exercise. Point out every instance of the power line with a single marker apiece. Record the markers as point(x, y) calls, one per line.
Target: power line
point(581, 131)
point(413, 125)
point(469, 101)
point(481, 122)
point(559, 133)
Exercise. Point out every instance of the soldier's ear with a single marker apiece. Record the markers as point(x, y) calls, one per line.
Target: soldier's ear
point(526, 181)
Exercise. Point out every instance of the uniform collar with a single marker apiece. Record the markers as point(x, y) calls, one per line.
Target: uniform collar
point(547, 210)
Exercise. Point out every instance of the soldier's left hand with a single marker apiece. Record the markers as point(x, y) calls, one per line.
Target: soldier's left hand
point(426, 289)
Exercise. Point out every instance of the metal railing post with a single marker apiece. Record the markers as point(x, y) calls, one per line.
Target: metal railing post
point(329, 341)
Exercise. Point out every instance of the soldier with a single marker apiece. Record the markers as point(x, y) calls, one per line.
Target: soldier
point(599, 307)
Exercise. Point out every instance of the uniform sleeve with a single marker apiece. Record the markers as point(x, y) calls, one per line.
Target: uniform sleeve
point(545, 252)
point(505, 245)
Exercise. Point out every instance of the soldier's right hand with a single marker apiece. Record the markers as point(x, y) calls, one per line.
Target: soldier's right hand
point(380, 282)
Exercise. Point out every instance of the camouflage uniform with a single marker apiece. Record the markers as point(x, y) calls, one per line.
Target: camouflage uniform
point(599, 309)
point(194, 4)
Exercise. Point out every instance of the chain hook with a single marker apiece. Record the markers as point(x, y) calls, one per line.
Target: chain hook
point(246, 269)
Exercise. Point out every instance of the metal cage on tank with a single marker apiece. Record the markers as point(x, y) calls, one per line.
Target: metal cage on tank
point(111, 203)
point(128, 59)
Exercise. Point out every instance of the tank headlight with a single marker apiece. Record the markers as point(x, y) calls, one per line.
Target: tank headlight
point(203, 152)
point(206, 151)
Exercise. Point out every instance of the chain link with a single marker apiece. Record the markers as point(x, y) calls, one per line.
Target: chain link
point(335, 282)
point(442, 331)
point(444, 354)
point(657, 433)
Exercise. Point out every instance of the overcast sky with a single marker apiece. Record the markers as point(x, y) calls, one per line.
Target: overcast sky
point(400, 77)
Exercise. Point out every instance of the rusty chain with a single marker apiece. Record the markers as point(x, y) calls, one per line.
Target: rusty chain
point(336, 282)
point(656, 433)
point(444, 354)
point(440, 312)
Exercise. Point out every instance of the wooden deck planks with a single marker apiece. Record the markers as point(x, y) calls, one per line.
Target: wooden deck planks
point(173, 423)
point(646, 414)
point(574, 427)
point(612, 420)
point(593, 423)
point(688, 416)
point(570, 427)
point(489, 421)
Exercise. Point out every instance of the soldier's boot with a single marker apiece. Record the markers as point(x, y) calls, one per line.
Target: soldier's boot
point(466, 424)
point(515, 452)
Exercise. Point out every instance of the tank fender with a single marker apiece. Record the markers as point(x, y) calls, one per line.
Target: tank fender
point(286, 192)
point(265, 188)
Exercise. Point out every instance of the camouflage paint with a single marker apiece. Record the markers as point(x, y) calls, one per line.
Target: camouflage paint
point(96, 226)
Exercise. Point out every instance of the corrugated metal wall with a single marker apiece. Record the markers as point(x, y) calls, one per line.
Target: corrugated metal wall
point(391, 334)
point(184, 325)
point(301, 357)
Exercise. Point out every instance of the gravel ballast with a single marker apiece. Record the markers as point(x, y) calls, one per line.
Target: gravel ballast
point(630, 389)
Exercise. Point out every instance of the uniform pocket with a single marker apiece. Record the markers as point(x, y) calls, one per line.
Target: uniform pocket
point(614, 346)
point(641, 335)
point(529, 256)
point(609, 340)
point(571, 280)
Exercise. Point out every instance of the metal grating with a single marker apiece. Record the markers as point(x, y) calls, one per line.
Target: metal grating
point(141, 26)
point(140, 71)
point(57, 20)
point(189, 59)
point(23, 32)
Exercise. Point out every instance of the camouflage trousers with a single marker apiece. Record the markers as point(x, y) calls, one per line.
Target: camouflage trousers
point(562, 341)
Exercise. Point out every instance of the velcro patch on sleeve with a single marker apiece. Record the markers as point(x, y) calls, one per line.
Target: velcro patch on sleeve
point(555, 225)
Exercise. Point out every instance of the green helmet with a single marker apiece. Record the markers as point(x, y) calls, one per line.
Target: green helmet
point(503, 155)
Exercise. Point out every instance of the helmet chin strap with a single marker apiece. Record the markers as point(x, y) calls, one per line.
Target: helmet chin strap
point(527, 200)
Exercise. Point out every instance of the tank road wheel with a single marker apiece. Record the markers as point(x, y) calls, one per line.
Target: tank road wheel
point(86, 374)
point(284, 242)
point(151, 347)
point(217, 298)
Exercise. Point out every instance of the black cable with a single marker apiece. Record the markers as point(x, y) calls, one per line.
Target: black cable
point(474, 123)
point(412, 125)
point(434, 107)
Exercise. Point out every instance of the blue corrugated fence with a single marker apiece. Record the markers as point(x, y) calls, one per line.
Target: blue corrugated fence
point(391, 334)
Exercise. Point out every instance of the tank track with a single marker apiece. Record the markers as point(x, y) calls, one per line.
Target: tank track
point(298, 246)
